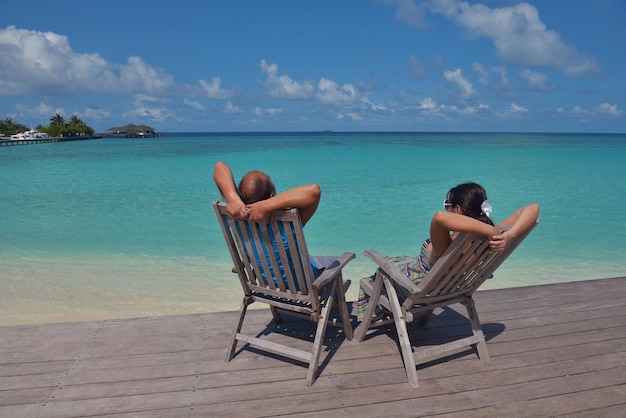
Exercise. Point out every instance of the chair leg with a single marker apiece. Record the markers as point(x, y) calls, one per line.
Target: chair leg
point(423, 321)
point(277, 318)
point(403, 334)
point(477, 329)
point(322, 323)
point(343, 309)
point(233, 340)
point(362, 328)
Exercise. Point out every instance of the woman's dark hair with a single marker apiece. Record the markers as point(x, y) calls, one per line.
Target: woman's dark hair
point(469, 196)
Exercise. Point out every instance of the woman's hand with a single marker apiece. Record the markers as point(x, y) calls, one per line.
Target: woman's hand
point(498, 242)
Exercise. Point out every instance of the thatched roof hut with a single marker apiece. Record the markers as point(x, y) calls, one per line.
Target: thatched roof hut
point(132, 131)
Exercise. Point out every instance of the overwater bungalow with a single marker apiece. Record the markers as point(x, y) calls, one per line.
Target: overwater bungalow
point(132, 131)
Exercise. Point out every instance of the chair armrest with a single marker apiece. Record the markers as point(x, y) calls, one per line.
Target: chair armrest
point(329, 274)
point(391, 271)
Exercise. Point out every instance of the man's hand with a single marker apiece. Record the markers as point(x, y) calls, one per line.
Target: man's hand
point(257, 212)
point(236, 209)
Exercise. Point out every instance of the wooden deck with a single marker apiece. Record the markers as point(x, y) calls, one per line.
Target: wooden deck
point(556, 350)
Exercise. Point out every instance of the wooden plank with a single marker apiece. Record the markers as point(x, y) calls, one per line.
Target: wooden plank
point(555, 350)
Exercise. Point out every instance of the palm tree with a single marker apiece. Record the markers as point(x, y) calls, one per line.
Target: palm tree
point(76, 121)
point(8, 127)
point(58, 120)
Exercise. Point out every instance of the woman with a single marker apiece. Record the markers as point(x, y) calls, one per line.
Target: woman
point(466, 209)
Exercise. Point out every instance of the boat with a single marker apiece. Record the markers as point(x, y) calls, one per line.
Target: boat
point(30, 134)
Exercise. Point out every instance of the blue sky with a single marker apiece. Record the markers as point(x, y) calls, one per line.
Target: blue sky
point(343, 65)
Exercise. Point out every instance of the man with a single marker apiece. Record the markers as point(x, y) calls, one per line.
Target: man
point(255, 198)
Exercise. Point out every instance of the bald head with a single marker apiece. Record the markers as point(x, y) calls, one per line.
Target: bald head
point(255, 186)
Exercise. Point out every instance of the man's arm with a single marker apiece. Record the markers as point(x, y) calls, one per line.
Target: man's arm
point(306, 198)
point(223, 177)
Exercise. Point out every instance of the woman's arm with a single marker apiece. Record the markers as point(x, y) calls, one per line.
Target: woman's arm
point(443, 223)
point(306, 198)
point(519, 221)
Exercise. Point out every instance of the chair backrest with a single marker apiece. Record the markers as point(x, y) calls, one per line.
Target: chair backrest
point(464, 267)
point(270, 258)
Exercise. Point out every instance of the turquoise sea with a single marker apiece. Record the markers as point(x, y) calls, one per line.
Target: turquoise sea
point(114, 228)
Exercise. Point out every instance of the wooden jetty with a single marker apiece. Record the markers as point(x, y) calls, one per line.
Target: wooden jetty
point(556, 350)
point(11, 142)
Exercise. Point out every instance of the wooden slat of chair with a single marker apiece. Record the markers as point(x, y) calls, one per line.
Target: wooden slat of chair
point(283, 255)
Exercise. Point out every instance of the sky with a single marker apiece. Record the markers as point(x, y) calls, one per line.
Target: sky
point(313, 65)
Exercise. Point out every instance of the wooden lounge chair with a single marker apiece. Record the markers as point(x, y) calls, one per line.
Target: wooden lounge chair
point(454, 278)
point(265, 277)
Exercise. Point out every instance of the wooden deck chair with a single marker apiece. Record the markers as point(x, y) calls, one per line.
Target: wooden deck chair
point(282, 277)
point(454, 278)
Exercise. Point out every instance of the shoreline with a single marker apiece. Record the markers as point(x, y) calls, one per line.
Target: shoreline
point(25, 319)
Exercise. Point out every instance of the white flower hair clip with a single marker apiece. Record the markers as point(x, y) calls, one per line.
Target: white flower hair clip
point(486, 208)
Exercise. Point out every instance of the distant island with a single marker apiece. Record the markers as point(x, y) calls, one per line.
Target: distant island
point(13, 133)
point(58, 128)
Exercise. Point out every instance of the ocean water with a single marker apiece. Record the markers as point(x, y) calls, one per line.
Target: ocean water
point(116, 228)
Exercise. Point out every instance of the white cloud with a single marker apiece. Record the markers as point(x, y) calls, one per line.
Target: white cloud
point(518, 34)
point(504, 81)
point(536, 80)
point(328, 92)
point(45, 109)
point(149, 107)
point(230, 108)
point(468, 111)
point(428, 104)
point(96, 113)
point(430, 107)
point(351, 115)
point(456, 77)
point(373, 106)
point(193, 104)
point(213, 90)
point(516, 109)
point(44, 62)
point(32, 61)
point(609, 109)
point(483, 74)
point(284, 87)
point(601, 110)
point(271, 111)
point(139, 77)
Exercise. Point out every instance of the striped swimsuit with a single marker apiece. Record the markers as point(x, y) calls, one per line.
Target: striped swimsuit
point(413, 267)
